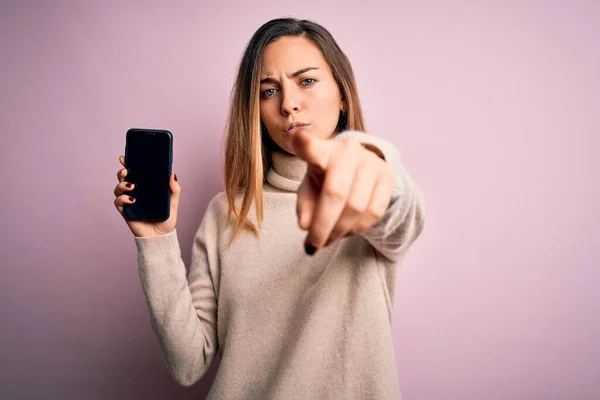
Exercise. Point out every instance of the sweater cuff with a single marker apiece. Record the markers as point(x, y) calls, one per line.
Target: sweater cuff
point(158, 245)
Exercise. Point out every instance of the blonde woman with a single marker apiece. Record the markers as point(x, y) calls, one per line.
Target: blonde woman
point(294, 264)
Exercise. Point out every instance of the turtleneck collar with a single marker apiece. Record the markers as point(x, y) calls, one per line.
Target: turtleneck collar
point(287, 171)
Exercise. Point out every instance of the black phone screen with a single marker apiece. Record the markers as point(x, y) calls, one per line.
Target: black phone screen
point(148, 158)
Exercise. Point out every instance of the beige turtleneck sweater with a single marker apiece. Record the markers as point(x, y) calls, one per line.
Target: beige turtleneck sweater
point(286, 325)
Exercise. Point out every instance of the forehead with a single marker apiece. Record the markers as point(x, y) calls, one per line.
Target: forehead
point(291, 53)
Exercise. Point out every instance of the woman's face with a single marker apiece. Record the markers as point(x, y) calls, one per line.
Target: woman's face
point(297, 87)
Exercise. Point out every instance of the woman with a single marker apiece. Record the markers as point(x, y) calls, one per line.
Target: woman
point(287, 325)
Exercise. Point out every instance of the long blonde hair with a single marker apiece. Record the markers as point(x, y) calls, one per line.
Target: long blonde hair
point(248, 146)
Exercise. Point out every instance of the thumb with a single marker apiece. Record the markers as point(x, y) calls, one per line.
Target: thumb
point(175, 191)
point(314, 150)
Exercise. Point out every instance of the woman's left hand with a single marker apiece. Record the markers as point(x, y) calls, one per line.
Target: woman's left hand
point(345, 191)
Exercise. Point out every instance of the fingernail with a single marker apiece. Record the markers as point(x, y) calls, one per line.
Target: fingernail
point(310, 249)
point(131, 198)
point(175, 177)
point(128, 185)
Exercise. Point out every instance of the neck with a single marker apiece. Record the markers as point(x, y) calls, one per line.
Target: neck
point(287, 171)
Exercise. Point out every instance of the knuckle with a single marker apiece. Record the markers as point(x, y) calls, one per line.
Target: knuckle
point(376, 212)
point(351, 145)
point(335, 192)
point(347, 143)
point(355, 206)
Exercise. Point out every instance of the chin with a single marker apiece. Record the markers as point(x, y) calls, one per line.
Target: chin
point(281, 146)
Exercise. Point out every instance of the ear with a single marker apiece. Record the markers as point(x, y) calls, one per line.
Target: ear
point(343, 105)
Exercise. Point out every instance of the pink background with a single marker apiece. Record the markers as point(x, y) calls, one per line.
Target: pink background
point(495, 107)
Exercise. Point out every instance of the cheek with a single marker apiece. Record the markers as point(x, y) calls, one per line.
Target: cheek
point(326, 107)
point(268, 116)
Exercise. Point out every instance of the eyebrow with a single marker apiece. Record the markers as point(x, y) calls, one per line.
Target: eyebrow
point(295, 74)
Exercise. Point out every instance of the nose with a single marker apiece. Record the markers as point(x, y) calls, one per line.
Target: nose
point(290, 101)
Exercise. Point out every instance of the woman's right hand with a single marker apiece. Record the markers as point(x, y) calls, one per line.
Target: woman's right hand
point(146, 228)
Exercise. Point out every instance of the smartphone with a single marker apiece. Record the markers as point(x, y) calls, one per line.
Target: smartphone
point(148, 159)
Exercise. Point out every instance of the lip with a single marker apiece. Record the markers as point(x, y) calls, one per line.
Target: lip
point(295, 126)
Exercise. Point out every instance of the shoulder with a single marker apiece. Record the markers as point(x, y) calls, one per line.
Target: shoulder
point(214, 220)
point(217, 210)
point(217, 207)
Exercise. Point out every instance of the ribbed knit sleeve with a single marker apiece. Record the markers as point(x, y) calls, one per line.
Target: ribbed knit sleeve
point(183, 310)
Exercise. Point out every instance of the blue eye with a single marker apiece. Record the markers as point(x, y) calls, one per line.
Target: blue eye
point(308, 79)
point(268, 93)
